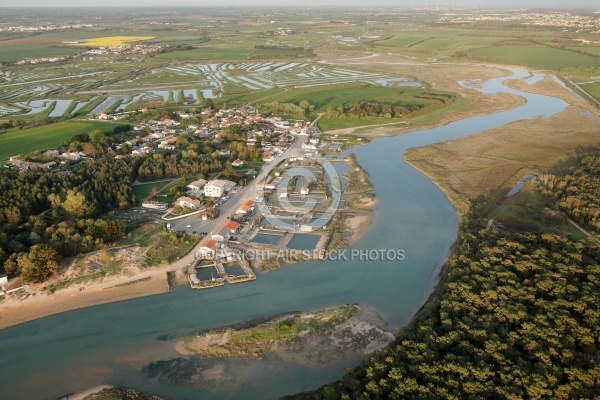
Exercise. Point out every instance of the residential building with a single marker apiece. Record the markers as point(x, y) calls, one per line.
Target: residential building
point(197, 185)
point(245, 208)
point(218, 187)
point(229, 228)
point(187, 202)
point(208, 249)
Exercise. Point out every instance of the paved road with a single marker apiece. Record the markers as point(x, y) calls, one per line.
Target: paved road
point(236, 199)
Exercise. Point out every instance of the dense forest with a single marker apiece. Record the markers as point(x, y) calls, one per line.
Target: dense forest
point(576, 187)
point(515, 316)
point(45, 216)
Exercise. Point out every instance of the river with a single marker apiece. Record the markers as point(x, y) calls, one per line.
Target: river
point(111, 343)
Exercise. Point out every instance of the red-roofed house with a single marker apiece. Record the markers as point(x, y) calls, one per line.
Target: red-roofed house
point(230, 227)
point(244, 208)
point(208, 249)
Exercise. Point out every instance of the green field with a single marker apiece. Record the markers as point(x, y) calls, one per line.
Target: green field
point(20, 52)
point(208, 53)
point(593, 89)
point(348, 94)
point(44, 137)
point(401, 41)
point(281, 52)
point(588, 49)
point(143, 190)
point(536, 56)
point(322, 96)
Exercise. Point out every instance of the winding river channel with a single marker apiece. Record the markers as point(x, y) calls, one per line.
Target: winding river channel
point(112, 343)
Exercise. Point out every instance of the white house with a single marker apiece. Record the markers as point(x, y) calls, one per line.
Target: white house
point(237, 163)
point(217, 187)
point(186, 202)
point(197, 185)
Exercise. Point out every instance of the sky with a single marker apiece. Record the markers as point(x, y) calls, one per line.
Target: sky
point(321, 3)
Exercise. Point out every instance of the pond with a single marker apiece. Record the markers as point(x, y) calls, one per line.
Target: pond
point(266, 239)
point(302, 241)
point(515, 189)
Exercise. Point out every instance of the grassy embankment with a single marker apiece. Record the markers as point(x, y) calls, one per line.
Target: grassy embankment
point(255, 341)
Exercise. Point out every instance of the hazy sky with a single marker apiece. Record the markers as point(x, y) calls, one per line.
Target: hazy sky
point(363, 3)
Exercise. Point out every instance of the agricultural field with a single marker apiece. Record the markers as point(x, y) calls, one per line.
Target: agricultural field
point(278, 52)
point(20, 52)
point(541, 57)
point(111, 41)
point(323, 96)
point(44, 137)
point(595, 51)
point(587, 80)
point(208, 53)
point(402, 41)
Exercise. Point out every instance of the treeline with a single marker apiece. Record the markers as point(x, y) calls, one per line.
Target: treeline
point(156, 166)
point(285, 108)
point(515, 316)
point(365, 109)
point(576, 188)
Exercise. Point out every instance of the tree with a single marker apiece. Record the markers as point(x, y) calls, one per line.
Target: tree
point(208, 103)
point(38, 264)
point(305, 104)
point(97, 136)
point(77, 204)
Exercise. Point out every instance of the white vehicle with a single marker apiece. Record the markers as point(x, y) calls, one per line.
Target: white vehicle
point(188, 226)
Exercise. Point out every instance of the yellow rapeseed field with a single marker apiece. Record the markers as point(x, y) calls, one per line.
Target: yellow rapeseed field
point(110, 41)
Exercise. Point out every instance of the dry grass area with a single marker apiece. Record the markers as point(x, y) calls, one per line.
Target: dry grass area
point(479, 164)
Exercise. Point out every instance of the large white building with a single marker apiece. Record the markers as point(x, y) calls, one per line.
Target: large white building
point(218, 187)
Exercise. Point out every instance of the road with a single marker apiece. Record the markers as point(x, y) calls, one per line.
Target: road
point(236, 199)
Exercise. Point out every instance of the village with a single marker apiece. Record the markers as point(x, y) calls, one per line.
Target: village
point(284, 203)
